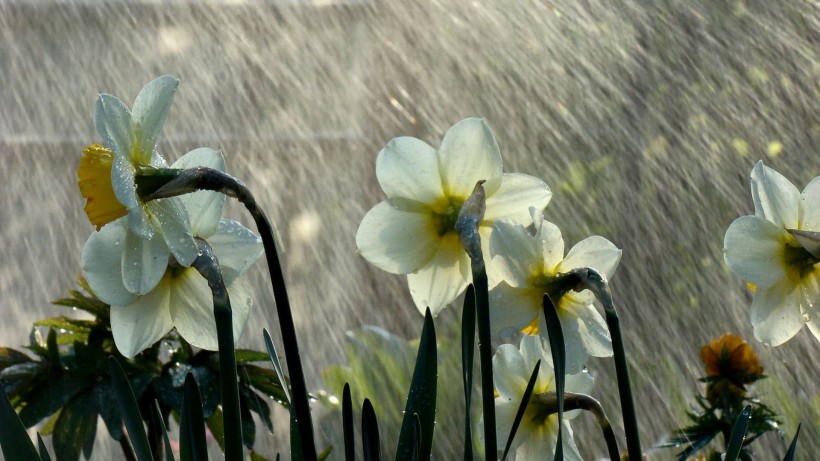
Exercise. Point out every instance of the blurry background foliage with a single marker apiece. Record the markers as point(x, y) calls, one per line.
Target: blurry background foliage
point(645, 119)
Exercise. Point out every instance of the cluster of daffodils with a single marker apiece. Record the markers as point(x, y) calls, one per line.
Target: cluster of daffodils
point(139, 259)
point(414, 232)
point(777, 251)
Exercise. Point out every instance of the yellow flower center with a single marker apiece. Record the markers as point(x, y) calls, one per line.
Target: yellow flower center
point(556, 285)
point(445, 215)
point(94, 179)
point(799, 261)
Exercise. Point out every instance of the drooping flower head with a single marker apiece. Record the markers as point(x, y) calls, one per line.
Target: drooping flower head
point(762, 251)
point(109, 172)
point(181, 298)
point(529, 264)
point(730, 365)
point(413, 231)
point(537, 435)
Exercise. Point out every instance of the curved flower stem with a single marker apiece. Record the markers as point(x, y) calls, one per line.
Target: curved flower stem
point(208, 266)
point(592, 280)
point(202, 178)
point(584, 402)
point(469, 217)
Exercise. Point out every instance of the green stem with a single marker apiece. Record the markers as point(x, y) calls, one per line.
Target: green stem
point(595, 282)
point(207, 265)
point(584, 402)
point(202, 178)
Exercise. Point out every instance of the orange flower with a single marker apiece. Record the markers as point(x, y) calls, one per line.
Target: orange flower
point(730, 357)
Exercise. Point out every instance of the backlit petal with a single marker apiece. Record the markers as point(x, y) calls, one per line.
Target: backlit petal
point(113, 121)
point(515, 253)
point(811, 300)
point(138, 326)
point(172, 218)
point(595, 252)
point(469, 153)
point(445, 276)
point(775, 197)
point(776, 315)
point(192, 309)
point(551, 242)
point(150, 110)
point(517, 194)
point(810, 206)
point(204, 207)
point(397, 241)
point(236, 247)
point(585, 333)
point(510, 373)
point(753, 249)
point(511, 309)
point(102, 265)
point(143, 263)
point(408, 167)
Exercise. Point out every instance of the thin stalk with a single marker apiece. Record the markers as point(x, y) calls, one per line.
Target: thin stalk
point(202, 178)
point(208, 266)
point(584, 402)
point(469, 217)
point(127, 449)
point(595, 282)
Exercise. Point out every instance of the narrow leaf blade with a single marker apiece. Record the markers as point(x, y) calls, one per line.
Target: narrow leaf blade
point(467, 359)
point(738, 434)
point(525, 400)
point(192, 446)
point(559, 360)
point(130, 411)
point(14, 439)
point(347, 424)
point(370, 433)
point(793, 446)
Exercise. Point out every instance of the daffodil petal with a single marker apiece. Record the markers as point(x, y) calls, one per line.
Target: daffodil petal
point(102, 264)
point(510, 373)
point(192, 309)
point(408, 167)
point(585, 333)
point(506, 407)
point(440, 281)
point(595, 252)
point(517, 194)
point(150, 110)
point(143, 263)
point(139, 325)
point(516, 254)
point(811, 300)
point(775, 197)
point(753, 249)
point(809, 208)
point(511, 309)
point(172, 218)
point(397, 241)
point(204, 207)
point(236, 248)
point(533, 349)
point(776, 315)
point(113, 121)
point(469, 153)
point(550, 241)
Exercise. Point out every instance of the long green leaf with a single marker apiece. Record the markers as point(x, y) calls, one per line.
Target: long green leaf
point(467, 359)
point(44, 456)
point(485, 357)
point(793, 446)
point(559, 360)
point(370, 433)
point(738, 434)
point(192, 446)
point(347, 424)
point(277, 366)
point(169, 456)
point(14, 439)
point(130, 411)
point(421, 400)
point(525, 400)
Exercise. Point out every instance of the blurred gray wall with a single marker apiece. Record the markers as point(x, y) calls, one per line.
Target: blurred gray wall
point(645, 118)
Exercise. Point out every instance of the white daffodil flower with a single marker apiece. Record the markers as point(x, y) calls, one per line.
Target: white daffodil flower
point(181, 298)
point(529, 263)
point(762, 251)
point(107, 180)
point(537, 434)
point(413, 231)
